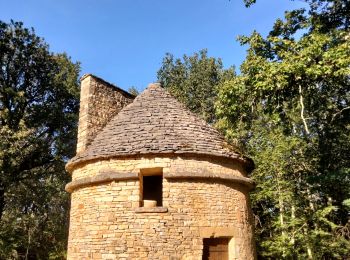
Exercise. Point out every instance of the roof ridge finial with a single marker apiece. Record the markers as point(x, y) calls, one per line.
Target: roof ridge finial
point(154, 85)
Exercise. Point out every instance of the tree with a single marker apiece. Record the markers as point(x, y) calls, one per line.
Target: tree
point(194, 81)
point(38, 117)
point(289, 110)
point(133, 91)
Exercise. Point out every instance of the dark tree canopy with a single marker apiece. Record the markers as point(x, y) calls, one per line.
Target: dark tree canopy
point(194, 81)
point(38, 116)
point(290, 110)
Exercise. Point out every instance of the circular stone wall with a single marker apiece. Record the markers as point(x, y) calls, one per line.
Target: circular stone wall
point(201, 198)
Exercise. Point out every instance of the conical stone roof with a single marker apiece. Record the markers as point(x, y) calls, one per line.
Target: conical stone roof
point(156, 123)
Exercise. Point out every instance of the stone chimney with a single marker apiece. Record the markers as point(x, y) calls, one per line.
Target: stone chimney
point(99, 102)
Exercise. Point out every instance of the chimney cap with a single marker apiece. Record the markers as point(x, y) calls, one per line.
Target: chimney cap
point(106, 83)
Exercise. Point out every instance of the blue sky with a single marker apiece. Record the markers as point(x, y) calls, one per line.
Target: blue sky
point(124, 41)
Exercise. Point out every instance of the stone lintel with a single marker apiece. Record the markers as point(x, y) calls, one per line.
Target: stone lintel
point(151, 210)
point(100, 178)
point(208, 232)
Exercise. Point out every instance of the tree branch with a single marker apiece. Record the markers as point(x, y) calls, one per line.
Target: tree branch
point(338, 113)
point(302, 111)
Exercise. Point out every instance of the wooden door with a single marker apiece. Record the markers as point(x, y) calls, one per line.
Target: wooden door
point(215, 248)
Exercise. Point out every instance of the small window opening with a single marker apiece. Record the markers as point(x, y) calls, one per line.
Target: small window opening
point(152, 187)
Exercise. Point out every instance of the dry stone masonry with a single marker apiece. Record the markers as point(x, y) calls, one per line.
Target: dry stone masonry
point(99, 102)
point(155, 182)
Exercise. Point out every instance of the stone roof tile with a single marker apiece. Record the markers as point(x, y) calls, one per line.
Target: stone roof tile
point(156, 123)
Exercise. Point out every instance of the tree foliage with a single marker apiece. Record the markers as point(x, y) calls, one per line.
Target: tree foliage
point(133, 91)
point(38, 116)
point(194, 81)
point(290, 110)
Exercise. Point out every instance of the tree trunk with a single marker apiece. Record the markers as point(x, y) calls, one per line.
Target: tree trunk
point(292, 240)
point(2, 200)
point(309, 252)
point(280, 204)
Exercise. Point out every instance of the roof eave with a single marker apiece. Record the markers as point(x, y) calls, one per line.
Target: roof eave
point(247, 162)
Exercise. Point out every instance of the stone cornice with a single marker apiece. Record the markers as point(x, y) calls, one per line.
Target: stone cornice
point(250, 184)
point(100, 178)
point(121, 176)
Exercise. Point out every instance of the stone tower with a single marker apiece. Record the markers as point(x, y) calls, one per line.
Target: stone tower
point(153, 181)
